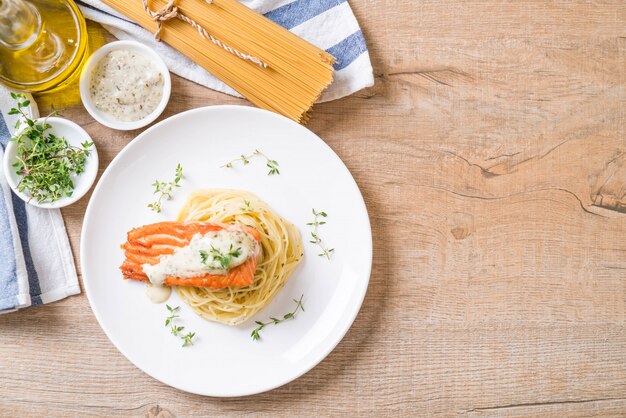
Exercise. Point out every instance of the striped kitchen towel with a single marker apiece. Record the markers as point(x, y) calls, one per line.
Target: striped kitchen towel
point(36, 264)
point(328, 24)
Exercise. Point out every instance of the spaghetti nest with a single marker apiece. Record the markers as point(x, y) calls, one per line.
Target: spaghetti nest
point(281, 251)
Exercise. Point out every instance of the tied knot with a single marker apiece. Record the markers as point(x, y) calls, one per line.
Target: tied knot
point(170, 11)
point(167, 12)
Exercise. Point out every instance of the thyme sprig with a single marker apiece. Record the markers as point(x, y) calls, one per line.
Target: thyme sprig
point(45, 162)
point(246, 208)
point(299, 306)
point(187, 339)
point(165, 189)
point(316, 238)
point(177, 330)
point(245, 159)
point(223, 259)
point(173, 315)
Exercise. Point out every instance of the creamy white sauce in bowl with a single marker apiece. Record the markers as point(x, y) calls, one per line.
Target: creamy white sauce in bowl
point(125, 85)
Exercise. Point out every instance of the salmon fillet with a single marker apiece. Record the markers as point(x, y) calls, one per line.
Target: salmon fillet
point(145, 244)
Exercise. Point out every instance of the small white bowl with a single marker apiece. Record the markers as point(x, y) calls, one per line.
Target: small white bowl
point(85, 78)
point(74, 135)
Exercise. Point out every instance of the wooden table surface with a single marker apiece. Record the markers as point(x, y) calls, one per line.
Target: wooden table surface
point(492, 157)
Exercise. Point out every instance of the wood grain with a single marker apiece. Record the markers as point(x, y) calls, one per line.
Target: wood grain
point(491, 155)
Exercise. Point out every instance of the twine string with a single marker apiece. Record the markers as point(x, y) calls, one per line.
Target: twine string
point(170, 11)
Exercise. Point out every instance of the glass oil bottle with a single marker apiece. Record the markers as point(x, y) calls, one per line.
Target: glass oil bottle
point(43, 44)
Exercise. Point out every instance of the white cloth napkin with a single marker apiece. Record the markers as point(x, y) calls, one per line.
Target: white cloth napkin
point(36, 264)
point(328, 24)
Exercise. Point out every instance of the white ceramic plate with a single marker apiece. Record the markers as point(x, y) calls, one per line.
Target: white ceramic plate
point(225, 361)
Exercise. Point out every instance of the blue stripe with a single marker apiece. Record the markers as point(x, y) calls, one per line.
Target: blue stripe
point(21, 219)
point(348, 50)
point(8, 267)
point(4, 132)
point(292, 14)
point(19, 209)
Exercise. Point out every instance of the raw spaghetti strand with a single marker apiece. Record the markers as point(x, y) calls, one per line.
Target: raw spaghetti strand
point(281, 252)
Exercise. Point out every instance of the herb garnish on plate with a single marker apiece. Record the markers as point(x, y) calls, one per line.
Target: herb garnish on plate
point(299, 306)
point(245, 159)
point(246, 208)
point(223, 259)
point(165, 189)
point(177, 331)
point(45, 161)
point(316, 238)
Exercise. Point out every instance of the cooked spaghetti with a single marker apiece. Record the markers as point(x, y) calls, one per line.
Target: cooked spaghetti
point(281, 251)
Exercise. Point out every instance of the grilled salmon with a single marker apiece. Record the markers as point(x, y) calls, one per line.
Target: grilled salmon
point(147, 245)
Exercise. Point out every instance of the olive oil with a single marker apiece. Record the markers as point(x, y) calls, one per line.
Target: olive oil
point(43, 44)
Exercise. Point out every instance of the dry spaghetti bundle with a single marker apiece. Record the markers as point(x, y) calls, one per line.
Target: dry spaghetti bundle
point(267, 64)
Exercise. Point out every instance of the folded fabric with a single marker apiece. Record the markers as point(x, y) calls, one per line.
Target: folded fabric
point(328, 24)
point(36, 264)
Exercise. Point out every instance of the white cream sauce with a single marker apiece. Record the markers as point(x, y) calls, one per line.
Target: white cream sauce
point(188, 261)
point(126, 85)
point(158, 293)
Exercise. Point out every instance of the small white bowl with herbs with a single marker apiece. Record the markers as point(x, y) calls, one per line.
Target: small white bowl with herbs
point(49, 162)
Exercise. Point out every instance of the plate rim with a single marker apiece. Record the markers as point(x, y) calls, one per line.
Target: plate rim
point(368, 258)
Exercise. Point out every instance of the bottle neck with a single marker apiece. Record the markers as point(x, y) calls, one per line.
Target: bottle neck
point(20, 24)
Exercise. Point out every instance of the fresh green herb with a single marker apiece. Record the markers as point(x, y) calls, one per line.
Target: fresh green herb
point(246, 207)
point(204, 256)
point(45, 161)
point(177, 330)
point(217, 256)
point(299, 306)
point(245, 159)
point(187, 338)
point(165, 189)
point(173, 315)
point(220, 257)
point(230, 255)
point(316, 238)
